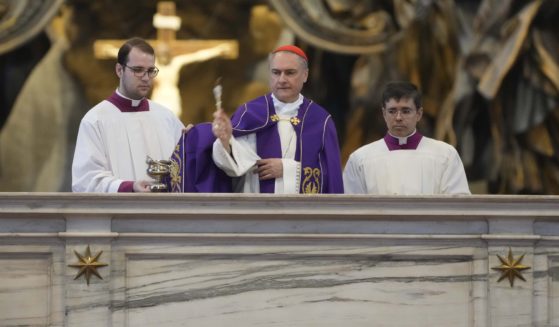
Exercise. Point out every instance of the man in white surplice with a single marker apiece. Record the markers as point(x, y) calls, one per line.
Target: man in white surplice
point(117, 135)
point(404, 162)
point(250, 149)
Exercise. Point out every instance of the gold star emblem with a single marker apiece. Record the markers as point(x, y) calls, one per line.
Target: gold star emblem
point(88, 265)
point(511, 268)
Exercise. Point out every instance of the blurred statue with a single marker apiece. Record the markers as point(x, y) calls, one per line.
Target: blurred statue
point(36, 143)
point(506, 95)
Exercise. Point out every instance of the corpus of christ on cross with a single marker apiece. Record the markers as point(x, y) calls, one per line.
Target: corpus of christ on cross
point(172, 54)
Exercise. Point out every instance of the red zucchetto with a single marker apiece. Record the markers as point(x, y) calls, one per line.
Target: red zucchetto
point(292, 49)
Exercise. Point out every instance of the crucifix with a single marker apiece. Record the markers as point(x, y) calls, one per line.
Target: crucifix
point(171, 54)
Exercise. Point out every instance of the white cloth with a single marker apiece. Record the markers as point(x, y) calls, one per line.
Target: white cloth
point(433, 168)
point(112, 145)
point(242, 162)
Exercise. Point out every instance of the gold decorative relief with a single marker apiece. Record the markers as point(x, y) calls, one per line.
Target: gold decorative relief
point(88, 264)
point(511, 268)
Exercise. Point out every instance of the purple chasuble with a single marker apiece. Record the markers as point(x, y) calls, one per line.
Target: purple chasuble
point(192, 166)
point(125, 105)
point(317, 143)
point(394, 144)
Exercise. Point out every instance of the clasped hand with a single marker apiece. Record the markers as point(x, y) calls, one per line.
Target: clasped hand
point(269, 168)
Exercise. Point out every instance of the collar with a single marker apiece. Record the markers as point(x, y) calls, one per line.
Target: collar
point(410, 142)
point(125, 104)
point(288, 109)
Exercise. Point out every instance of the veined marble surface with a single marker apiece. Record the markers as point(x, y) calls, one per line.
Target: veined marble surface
point(240, 260)
point(299, 285)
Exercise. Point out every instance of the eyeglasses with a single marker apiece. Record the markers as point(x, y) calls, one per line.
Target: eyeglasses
point(405, 112)
point(141, 71)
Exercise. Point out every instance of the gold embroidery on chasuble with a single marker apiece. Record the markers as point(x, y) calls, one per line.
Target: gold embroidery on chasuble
point(311, 181)
point(176, 163)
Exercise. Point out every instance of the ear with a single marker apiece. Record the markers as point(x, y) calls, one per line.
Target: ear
point(419, 113)
point(119, 70)
point(383, 112)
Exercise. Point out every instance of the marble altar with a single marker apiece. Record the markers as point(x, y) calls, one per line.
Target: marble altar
point(268, 260)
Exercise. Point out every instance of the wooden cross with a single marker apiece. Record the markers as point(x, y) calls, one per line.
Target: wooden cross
point(167, 48)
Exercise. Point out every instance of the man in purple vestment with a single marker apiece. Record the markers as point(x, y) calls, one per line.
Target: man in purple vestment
point(117, 135)
point(404, 162)
point(281, 142)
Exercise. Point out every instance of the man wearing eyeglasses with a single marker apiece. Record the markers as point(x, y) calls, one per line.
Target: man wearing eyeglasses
point(117, 135)
point(404, 162)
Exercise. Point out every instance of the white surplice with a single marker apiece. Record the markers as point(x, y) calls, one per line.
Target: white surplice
point(433, 168)
point(112, 146)
point(242, 162)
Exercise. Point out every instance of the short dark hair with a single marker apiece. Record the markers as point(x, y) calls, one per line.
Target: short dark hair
point(134, 42)
point(401, 90)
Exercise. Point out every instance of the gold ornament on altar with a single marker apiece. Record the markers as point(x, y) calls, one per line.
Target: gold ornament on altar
point(88, 264)
point(158, 169)
point(511, 268)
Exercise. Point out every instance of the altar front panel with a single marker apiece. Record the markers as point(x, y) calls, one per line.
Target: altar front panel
point(302, 283)
point(215, 260)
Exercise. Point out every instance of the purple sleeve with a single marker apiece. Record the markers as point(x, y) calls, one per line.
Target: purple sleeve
point(331, 162)
point(200, 174)
point(126, 186)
